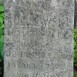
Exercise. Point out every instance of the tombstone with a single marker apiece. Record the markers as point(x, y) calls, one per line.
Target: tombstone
point(38, 38)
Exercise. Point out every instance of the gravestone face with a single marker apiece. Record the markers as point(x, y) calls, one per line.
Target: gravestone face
point(39, 38)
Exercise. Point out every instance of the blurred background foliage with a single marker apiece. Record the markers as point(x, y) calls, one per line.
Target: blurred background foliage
point(75, 52)
point(75, 40)
point(1, 2)
point(1, 38)
point(75, 47)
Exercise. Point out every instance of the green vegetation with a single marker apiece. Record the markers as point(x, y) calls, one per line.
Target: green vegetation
point(75, 74)
point(1, 38)
point(75, 47)
point(75, 52)
point(1, 31)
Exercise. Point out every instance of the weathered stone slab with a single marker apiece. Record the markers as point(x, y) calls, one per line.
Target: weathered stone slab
point(39, 38)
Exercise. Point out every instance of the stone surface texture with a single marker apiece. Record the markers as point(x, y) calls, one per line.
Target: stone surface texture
point(38, 38)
